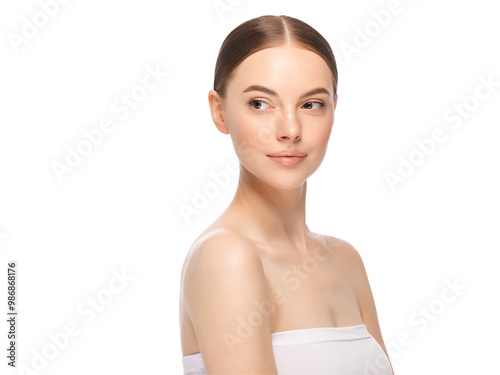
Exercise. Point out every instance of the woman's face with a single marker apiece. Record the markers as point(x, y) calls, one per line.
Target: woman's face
point(278, 99)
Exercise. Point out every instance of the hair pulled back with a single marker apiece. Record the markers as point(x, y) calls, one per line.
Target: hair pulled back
point(264, 32)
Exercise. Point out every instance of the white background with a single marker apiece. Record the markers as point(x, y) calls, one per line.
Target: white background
point(118, 210)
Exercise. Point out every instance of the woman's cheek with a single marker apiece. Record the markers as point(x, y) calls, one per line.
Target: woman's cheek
point(247, 151)
point(326, 136)
point(324, 131)
point(244, 142)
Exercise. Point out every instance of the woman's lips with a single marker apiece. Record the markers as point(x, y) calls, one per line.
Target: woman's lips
point(287, 160)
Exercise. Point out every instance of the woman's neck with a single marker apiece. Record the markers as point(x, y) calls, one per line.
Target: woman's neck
point(269, 214)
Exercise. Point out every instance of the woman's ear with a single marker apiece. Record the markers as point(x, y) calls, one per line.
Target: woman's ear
point(215, 103)
point(335, 102)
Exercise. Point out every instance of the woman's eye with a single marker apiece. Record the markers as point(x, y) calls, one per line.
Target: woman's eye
point(258, 104)
point(310, 105)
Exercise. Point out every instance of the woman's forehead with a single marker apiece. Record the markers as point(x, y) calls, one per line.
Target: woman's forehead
point(283, 66)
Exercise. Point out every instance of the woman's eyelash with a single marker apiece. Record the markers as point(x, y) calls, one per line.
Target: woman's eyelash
point(321, 103)
point(253, 101)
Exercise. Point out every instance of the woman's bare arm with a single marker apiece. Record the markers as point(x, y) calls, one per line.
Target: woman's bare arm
point(223, 285)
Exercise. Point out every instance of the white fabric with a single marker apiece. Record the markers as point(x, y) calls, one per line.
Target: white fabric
point(325, 350)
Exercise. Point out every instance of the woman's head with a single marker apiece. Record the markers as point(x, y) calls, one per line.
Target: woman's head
point(275, 91)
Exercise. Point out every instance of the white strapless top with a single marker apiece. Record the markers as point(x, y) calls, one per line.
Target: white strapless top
point(325, 350)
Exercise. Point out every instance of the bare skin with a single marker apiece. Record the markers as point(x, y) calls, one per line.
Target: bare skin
point(259, 258)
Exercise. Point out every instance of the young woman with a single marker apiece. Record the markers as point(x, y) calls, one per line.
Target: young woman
point(260, 292)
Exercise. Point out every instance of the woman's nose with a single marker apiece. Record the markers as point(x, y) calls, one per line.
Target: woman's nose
point(288, 128)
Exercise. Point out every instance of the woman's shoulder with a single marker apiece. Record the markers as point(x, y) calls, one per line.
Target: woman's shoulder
point(221, 241)
point(340, 246)
point(221, 246)
point(345, 254)
point(223, 263)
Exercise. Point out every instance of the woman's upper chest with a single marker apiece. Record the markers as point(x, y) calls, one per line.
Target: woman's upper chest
point(314, 278)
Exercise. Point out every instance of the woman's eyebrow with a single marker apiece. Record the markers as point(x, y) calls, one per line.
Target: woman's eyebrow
point(318, 90)
point(261, 88)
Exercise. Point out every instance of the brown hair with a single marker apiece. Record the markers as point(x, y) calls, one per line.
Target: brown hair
point(264, 32)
